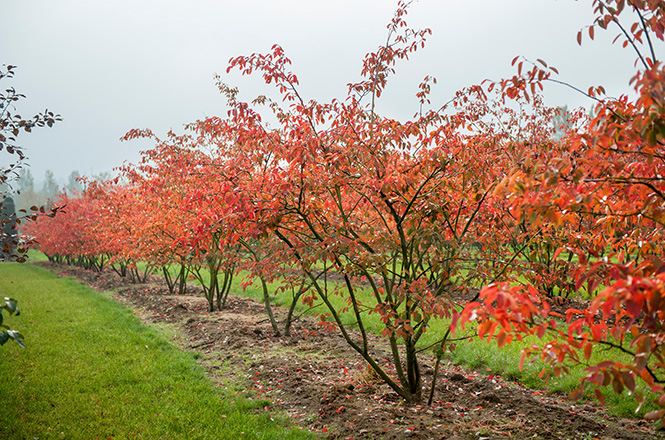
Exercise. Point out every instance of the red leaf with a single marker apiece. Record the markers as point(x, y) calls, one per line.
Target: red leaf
point(629, 380)
point(599, 396)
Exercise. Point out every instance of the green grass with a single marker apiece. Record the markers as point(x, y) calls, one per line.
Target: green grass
point(35, 256)
point(490, 359)
point(92, 370)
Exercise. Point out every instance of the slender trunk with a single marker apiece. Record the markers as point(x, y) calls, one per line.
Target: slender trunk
point(146, 272)
point(100, 262)
point(121, 269)
point(266, 302)
point(170, 282)
point(413, 372)
point(439, 355)
point(289, 319)
point(182, 286)
point(292, 307)
point(223, 293)
point(213, 289)
point(137, 276)
point(208, 289)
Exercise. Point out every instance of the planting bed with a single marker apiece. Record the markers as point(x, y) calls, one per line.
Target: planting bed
point(324, 385)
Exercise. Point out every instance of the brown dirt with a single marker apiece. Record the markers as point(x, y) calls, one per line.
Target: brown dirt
point(321, 383)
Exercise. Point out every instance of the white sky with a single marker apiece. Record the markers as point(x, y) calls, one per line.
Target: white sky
point(110, 66)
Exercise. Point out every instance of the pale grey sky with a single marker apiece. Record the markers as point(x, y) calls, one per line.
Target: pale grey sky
point(110, 66)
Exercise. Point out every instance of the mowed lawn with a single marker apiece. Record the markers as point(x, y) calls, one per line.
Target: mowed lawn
point(92, 370)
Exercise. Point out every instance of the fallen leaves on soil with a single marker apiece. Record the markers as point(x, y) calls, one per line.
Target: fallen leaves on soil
point(325, 386)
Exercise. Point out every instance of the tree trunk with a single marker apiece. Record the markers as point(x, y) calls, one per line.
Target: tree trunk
point(266, 302)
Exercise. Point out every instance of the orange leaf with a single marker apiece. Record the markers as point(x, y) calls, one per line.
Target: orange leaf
point(501, 338)
point(557, 252)
point(576, 394)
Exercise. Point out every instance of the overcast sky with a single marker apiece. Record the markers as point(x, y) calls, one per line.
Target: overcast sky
point(110, 66)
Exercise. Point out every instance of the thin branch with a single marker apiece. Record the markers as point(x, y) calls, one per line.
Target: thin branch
point(631, 41)
point(646, 32)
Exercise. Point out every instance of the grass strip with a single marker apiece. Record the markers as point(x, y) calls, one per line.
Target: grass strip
point(92, 370)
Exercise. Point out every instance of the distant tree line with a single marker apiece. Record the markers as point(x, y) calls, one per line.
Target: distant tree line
point(26, 193)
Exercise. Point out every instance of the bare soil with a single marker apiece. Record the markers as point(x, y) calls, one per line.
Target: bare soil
point(322, 384)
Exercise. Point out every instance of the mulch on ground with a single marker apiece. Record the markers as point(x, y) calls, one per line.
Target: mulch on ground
point(324, 385)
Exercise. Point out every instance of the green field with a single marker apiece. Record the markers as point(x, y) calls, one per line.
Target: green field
point(92, 370)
